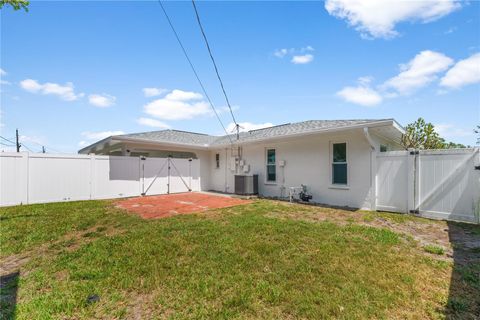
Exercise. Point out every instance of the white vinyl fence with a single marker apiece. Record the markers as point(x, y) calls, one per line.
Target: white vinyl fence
point(441, 184)
point(38, 178)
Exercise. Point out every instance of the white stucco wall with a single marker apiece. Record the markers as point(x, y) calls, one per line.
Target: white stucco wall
point(308, 161)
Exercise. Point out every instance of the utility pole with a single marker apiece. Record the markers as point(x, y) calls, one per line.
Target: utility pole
point(17, 141)
point(238, 131)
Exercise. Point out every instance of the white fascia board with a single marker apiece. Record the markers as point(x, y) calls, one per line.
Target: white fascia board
point(161, 143)
point(93, 145)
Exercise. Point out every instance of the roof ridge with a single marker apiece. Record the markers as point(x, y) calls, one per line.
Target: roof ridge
point(184, 131)
point(278, 125)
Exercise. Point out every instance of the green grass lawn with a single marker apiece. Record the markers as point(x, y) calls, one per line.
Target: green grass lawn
point(251, 261)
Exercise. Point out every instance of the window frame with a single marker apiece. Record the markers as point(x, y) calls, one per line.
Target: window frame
point(270, 164)
point(331, 164)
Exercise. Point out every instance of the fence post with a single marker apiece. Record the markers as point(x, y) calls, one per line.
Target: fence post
point(25, 165)
point(411, 180)
point(92, 176)
point(168, 179)
point(477, 208)
point(142, 175)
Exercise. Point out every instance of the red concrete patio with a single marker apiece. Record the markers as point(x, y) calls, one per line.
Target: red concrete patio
point(167, 205)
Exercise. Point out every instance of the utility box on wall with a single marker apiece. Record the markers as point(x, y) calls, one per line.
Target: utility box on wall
point(246, 184)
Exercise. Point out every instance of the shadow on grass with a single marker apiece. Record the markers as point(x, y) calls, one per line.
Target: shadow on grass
point(464, 293)
point(8, 295)
point(23, 216)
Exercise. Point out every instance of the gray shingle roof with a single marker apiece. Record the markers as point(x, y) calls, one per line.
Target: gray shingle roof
point(174, 136)
point(199, 139)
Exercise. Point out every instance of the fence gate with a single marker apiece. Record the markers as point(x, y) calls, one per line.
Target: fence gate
point(169, 175)
point(442, 184)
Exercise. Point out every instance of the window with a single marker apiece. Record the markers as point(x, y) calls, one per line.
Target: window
point(271, 166)
point(383, 148)
point(217, 160)
point(339, 163)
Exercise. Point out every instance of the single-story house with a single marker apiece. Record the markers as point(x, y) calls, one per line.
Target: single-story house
point(335, 159)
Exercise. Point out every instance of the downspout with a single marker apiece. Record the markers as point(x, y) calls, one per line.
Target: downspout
point(225, 183)
point(373, 182)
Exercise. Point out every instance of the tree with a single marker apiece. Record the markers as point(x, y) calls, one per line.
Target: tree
point(477, 131)
point(422, 135)
point(15, 4)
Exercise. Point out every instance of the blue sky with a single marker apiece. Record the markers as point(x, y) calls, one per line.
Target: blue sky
point(73, 72)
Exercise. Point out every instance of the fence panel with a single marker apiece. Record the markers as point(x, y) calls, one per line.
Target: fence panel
point(448, 184)
point(392, 182)
point(115, 177)
point(13, 178)
point(184, 174)
point(439, 184)
point(180, 176)
point(38, 178)
point(155, 176)
point(54, 178)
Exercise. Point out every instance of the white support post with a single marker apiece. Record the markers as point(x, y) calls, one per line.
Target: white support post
point(373, 170)
point(373, 179)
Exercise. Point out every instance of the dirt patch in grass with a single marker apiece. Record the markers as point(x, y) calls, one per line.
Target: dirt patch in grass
point(426, 232)
point(169, 205)
point(68, 242)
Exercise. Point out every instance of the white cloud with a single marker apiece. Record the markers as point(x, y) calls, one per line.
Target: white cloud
point(377, 18)
point(178, 105)
point(180, 95)
point(65, 92)
point(450, 131)
point(247, 126)
point(153, 92)
point(307, 48)
point(31, 139)
point(280, 53)
point(419, 71)
point(101, 100)
point(450, 30)
point(302, 59)
point(362, 95)
point(298, 56)
point(2, 72)
point(152, 123)
point(91, 137)
point(464, 72)
point(365, 80)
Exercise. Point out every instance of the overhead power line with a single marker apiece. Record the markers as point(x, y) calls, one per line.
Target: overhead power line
point(193, 69)
point(44, 147)
point(23, 145)
point(214, 63)
point(7, 140)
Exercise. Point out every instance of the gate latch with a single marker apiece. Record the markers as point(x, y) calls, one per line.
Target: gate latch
point(477, 167)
